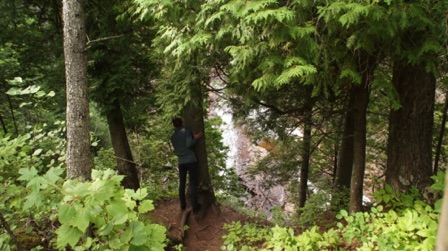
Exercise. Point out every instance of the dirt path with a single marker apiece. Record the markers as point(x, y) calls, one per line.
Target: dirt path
point(202, 235)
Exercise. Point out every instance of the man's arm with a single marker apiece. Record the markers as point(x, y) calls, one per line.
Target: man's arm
point(192, 139)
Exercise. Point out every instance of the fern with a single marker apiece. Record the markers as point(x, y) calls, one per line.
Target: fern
point(297, 32)
point(354, 13)
point(271, 15)
point(263, 82)
point(295, 72)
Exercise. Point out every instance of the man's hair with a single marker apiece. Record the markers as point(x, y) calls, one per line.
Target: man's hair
point(177, 122)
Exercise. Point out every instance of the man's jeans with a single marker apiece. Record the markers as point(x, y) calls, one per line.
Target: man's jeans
point(192, 169)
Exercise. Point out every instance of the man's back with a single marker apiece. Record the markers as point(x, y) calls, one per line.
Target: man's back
point(183, 141)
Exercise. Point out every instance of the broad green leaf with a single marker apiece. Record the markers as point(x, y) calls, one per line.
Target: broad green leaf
point(67, 235)
point(146, 206)
point(66, 213)
point(53, 175)
point(27, 173)
point(33, 200)
point(40, 94)
point(14, 91)
point(119, 219)
point(158, 233)
point(31, 89)
point(37, 152)
point(116, 207)
point(51, 94)
point(81, 219)
point(105, 229)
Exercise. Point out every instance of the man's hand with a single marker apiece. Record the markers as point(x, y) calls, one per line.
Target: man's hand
point(197, 135)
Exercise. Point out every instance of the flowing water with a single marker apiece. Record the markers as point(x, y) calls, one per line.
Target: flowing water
point(242, 156)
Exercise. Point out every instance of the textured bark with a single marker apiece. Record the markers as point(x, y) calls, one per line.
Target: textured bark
point(409, 150)
point(120, 143)
point(366, 67)
point(194, 121)
point(345, 154)
point(344, 164)
point(306, 152)
point(359, 148)
point(79, 162)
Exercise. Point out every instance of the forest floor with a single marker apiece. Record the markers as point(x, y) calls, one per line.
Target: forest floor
point(200, 235)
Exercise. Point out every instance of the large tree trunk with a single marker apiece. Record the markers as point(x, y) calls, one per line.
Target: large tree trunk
point(79, 162)
point(344, 167)
point(409, 159)
point(366, 68)
point(120, 143)
point(359, 147)
point(194, 121)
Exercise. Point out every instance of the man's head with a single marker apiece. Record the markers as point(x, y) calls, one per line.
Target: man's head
point(177, 122)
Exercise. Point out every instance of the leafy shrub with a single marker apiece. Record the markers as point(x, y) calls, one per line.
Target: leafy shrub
point(90, 215)
point(243, 236)
point(42, 212)
point(407, 224)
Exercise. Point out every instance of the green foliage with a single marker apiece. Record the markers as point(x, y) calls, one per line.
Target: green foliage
point(243, 236)
point(409, 229)
point(93, 215)
point(315, 210)
point(112, 214)
point(397, 201)
point(403, 228)
point(30, 168)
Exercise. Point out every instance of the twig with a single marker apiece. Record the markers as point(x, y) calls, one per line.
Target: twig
point(8, 229)
point(102, 39)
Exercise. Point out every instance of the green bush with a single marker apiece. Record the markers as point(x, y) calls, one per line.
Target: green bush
point(408, 224)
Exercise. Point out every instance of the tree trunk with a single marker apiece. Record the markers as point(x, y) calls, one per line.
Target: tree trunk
point(410, 129)
point(306, 150)
point(194, 121)
point(344, 167)
point(359, 148)
point(442, 232)
point(120, 143)
point(79, 162)
point(3, 124)
point(366, 68)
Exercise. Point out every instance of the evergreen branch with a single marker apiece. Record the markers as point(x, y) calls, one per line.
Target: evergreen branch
point(101, 39)
point(298, 110)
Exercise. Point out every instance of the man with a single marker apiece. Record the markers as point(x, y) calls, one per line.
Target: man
point(183, 142)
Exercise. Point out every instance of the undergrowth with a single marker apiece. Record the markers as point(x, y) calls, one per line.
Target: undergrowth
point(397, 222)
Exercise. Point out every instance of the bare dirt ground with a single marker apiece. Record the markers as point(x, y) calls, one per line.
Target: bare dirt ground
point(200, 235)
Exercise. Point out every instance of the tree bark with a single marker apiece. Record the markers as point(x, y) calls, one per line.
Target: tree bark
point(366, 67)
point(79, 162)
point(120, 143)
point(409, 149)
point(344, 164)
point(359, 148)
point(306, 152)
point(194, 121)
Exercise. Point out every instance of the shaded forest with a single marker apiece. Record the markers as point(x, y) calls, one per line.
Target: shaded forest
point(349, 98)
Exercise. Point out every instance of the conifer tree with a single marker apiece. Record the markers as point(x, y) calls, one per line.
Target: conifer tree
point(79, 162)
